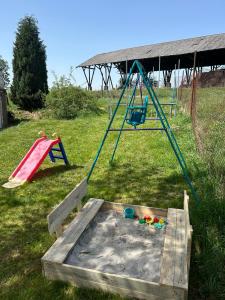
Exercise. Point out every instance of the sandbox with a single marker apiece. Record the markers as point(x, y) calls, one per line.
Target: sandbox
point(116, 245)
point(101, 249)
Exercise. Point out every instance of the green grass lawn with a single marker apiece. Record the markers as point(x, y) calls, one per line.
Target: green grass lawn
point(145, 172)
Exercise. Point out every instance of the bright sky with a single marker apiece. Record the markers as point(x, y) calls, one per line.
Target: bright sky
point(75, 30)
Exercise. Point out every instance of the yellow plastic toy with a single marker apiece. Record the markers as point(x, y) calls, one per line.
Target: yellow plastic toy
point(150, 221)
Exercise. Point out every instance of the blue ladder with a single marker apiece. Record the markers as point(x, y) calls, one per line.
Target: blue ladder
point(61, 149)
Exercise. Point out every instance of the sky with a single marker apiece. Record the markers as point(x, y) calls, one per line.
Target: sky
point(74, 31)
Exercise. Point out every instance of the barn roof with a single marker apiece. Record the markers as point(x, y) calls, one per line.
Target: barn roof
point(210, 51)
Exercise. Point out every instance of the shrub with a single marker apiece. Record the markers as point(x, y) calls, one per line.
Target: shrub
point(11, 117)
point(66, 102)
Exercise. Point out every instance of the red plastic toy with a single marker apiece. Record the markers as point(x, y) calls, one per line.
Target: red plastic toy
point(34, 158)
point(156, 220)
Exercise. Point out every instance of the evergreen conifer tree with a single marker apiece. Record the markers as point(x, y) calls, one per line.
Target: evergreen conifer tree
point(29, 66)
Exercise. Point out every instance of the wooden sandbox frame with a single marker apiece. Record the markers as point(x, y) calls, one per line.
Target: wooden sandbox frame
point(175, 260)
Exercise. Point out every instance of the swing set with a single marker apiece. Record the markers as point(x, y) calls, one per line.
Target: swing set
point(135, 115)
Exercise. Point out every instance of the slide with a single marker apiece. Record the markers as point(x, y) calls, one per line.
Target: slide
point(32, 161)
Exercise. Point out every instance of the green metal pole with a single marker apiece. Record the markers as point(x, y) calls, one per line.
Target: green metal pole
point(120, 132)
point(167, 128)
point(110, 123)
point(157, 103)
point(169, 132)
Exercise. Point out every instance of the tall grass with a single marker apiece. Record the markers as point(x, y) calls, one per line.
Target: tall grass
point(208, 260)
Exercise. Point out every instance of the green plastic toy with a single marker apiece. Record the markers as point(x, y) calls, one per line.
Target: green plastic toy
point(158, 225)
point(142, 221)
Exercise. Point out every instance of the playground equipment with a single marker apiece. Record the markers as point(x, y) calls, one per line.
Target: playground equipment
point(136, 115)
point(136, 119)
point(103, 263)
point(34, 158)
point(160, 259)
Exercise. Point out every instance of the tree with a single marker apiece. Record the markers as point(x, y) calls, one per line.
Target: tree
point(29, 66)
point(4, 73)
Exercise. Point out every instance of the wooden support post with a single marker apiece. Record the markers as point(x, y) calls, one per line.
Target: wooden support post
point(3, 109)
point(181, 86)
point(123, 77)
point(89, 77)
point(126, 69)
point(193, 91)
point(178, 78)
point(153, 80)
point(106, 87)
point(188, 72)
point(106, 77)
point(159, 71)
point(103, 78)
point(167, 77)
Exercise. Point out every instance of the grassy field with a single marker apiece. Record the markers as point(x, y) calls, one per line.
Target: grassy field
point(145, 172)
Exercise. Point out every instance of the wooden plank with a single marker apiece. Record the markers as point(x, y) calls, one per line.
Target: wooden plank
point(3, 109)
point(189, 241)
point(139, 210)
point(60, 249)
point(188, 228)
point(174, 260)
point(186, 211)
point(116, 290)
point(73, 199)
point(169, 250)
point(180, 267)
point(111, 282)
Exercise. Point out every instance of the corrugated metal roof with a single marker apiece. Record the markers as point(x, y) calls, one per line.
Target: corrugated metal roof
point(174, 48)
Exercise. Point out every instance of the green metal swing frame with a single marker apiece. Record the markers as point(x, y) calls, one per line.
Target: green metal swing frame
point(163, 120)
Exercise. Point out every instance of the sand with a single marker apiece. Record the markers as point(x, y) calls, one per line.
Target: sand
point(116, 245)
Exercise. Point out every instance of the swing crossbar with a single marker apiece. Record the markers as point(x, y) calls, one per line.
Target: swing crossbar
point(135, 129)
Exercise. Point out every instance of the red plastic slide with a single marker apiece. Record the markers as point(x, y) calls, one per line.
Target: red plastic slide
point(31, 162)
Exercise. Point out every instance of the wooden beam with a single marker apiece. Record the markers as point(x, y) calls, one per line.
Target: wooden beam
point(139, 210)
point(72, 200)
point(176, 252)
point(117, 284)
point(100, 69)
point(180, 278)
point(3, 109)
point(188, 228)
point(89, 77)
point(60, 249)
point(193, 92)
point(169, 251)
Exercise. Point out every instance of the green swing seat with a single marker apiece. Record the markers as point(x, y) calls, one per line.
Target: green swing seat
point(136, 115)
